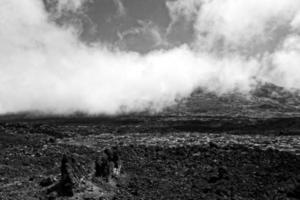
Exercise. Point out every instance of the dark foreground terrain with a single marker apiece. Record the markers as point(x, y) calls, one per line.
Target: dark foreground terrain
point(223, 148)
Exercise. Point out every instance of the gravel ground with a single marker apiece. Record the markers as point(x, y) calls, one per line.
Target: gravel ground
point(164, 163)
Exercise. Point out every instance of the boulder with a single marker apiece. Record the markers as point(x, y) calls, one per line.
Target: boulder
point(108, 164)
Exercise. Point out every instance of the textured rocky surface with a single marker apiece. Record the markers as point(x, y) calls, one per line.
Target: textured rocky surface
point(206, 147)
point(157, 165)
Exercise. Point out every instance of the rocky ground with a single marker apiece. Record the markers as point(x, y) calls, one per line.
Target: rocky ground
point(205, 147)
point(165, 163)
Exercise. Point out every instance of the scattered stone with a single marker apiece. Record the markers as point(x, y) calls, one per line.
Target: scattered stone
point(295, 191)
point(51, 140)
point(213, 145)
point(46, 181)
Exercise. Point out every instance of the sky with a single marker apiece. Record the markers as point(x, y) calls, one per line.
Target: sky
point(116, 56)
point(132, 25)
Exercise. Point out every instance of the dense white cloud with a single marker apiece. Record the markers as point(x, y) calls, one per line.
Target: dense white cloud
point(264, 30)
point(286, 62)
point(242, 23)
point(45, 67)
point(236, 24)
point(295, 23)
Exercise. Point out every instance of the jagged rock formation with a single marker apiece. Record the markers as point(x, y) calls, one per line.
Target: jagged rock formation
point(76, 182)
point(108, 164)
point(47, 181)
point(71, 176)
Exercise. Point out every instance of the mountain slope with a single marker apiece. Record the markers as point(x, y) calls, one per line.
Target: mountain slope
point(266, 100)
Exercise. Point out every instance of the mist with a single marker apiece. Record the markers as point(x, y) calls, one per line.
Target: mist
point(45, 67)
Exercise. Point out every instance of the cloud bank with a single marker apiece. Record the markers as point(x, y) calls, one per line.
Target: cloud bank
point(266, 31)
point(45, 67)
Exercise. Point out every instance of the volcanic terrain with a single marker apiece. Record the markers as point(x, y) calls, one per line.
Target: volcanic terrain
point(205, 147)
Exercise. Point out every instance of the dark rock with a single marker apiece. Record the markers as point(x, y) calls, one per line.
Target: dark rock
point(47, 181)
point(51, 140)
point(108, 163)
point(68, 177)
point(103, 167)
point(213, 145)
point(223, 172)
point(116, 157)
point(294, 193)
point(71, 175)
point(295, 189)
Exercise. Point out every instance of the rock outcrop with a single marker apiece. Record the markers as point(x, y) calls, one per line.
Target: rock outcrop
point(70, 178)
point(108, 164)
point(77, 182)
